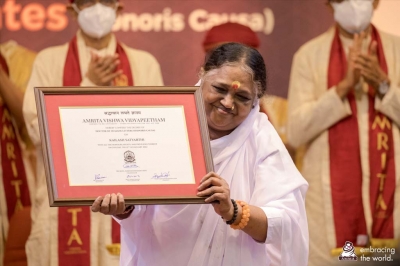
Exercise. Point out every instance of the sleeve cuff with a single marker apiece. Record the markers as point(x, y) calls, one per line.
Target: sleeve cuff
point(128, 211)
point(274, 231)
point(389, 105)
point(379, 103)
point(137, 211)
point(342, 105)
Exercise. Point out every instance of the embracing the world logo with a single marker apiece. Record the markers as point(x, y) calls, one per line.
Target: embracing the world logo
point(348, 252)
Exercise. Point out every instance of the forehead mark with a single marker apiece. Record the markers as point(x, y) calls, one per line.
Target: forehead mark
point(235, 85)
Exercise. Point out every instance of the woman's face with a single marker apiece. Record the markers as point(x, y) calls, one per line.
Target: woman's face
point(227, 105)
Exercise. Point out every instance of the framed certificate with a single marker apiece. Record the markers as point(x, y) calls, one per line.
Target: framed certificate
point(149, 143)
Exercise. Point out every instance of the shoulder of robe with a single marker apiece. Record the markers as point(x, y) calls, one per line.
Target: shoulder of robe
point(262, 126)
point(263, 131)
point(53, 52)
point(20, 54)
point(19, 61)
point(7, 48)
point(20, 65)
point(390, 39)
point(268, 142)
point(140, 56)
point(317, 43)
point(51, 59)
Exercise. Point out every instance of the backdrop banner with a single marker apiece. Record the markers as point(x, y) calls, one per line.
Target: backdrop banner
point(173, 31)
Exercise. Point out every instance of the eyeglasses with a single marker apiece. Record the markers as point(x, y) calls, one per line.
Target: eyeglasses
point(87, 3)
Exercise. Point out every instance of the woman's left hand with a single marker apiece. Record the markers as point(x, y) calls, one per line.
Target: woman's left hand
point(217, 190)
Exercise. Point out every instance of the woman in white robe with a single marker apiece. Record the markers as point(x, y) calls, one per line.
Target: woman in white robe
point(251, 164)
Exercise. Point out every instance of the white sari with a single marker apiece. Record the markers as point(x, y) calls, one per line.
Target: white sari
point(259, 170)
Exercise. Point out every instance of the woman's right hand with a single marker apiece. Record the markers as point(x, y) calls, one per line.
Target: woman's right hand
point(110, 204)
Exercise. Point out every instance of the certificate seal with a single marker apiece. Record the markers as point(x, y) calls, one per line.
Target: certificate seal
point(129, 157)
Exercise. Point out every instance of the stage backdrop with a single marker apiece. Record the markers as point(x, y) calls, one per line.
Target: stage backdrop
point(174, 30)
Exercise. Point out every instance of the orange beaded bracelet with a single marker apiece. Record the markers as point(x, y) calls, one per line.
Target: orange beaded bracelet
point(245, 216)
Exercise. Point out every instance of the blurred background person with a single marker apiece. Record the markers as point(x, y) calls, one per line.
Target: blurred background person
point(274, 106)
point(17, 154)
point(94, 57)
point(344, 104)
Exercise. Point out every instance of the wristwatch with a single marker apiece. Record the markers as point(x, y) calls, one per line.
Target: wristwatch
point(383, 87)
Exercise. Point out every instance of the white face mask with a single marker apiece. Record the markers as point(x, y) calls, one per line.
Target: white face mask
point(97, 20)
point(353, 16)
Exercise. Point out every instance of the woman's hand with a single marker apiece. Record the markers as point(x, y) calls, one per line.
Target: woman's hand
point(113, 204)
point(217, 190)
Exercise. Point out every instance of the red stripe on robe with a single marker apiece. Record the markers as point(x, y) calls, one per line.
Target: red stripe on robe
point(382, 171)
point(74, 236)
point(14, 177)
point(345, 157)
point(72, 77)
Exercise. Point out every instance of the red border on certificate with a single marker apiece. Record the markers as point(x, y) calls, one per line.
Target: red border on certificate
point(64, 191)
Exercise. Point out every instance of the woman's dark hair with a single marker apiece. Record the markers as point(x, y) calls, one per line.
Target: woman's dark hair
point(239, 53)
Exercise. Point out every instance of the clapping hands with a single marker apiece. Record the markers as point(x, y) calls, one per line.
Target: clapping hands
point(101, 70)
point(362, 64)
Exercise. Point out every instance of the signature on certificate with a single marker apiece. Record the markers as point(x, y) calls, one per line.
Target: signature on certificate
point(99, 178)
point(130, 165)
point(132, 176)
point(161, 175)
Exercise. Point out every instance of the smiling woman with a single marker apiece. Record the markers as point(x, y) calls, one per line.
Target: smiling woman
point(232, 79)
point(255, 189)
